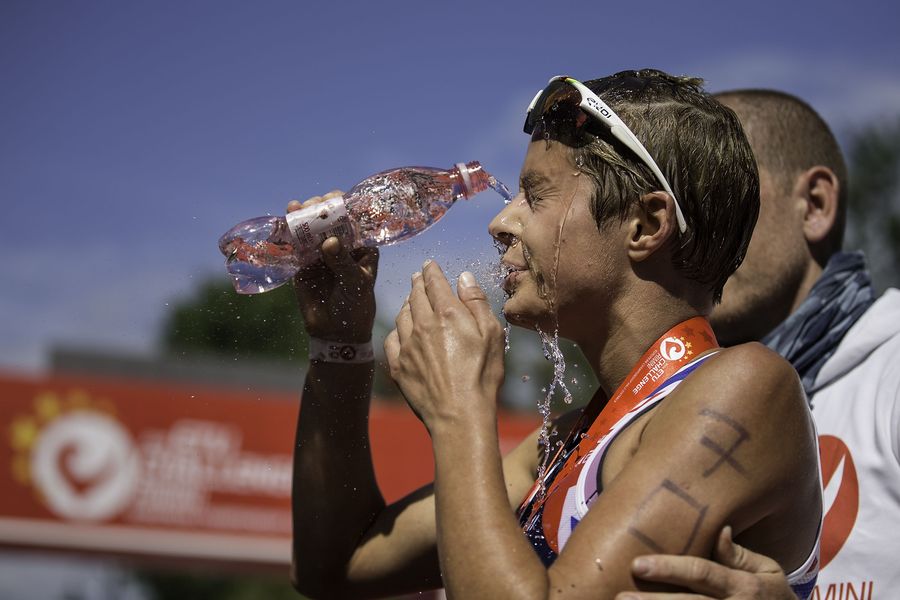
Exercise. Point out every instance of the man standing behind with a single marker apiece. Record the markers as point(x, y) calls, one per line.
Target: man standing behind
point(799, 294)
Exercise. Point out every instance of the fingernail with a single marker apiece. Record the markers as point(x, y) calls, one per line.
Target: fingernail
point(426, 263)
point(641, 566)
point(467, 279)
point(416, 275)
point(627, 596)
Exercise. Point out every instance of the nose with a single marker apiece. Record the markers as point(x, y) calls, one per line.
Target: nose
point(506, 226)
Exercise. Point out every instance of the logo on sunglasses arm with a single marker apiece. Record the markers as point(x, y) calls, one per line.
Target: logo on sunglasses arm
point(599, 108)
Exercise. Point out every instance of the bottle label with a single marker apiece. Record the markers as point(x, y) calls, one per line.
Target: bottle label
point(314, 224)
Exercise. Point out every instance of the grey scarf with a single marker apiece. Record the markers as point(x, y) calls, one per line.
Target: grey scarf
point(812, 333)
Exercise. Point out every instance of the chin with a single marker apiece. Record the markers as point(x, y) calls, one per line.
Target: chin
point(527, 317)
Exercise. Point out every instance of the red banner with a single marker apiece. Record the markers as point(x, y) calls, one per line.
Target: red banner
point(170, 471)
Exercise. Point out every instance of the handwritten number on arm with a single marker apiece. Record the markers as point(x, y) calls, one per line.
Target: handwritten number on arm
point(665, 493)
point(725, 456)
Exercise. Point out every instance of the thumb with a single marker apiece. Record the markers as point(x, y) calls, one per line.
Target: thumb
point(337, 258)
point(471, 294)
point(736, 556)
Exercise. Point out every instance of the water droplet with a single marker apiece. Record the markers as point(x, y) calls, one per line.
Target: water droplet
point(526, 377)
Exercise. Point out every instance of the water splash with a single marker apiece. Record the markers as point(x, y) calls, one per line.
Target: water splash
point(499, 187)
point(552, 352)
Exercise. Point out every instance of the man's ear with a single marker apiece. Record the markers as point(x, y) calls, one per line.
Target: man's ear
point(820, 187)
point(651, 224)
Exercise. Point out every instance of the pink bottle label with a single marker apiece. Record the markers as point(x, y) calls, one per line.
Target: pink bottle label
point(313, 225)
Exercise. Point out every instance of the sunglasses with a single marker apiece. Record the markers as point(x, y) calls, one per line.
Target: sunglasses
point(565, 91)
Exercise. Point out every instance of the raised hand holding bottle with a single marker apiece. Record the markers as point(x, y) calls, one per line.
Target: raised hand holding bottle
point(336, 295)
point(388, 207)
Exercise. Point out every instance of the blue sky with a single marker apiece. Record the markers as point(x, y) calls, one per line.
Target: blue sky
point(132, 134)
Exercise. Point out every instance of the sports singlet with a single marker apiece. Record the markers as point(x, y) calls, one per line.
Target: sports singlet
point(562, 497)
point(549, 527)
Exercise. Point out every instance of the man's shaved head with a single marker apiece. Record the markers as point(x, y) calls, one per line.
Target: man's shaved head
point(789, 137)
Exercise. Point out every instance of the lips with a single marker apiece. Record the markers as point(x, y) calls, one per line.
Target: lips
point(513, 273)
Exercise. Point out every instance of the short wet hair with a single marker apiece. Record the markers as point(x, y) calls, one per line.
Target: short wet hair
point(701, 149)
point(788, 137)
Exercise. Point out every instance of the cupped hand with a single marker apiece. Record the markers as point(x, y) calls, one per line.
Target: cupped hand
point(337, 295)
point(737, 574)
point(446, 353)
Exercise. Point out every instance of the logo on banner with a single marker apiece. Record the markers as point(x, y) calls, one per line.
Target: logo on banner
point(84, 459)
point(76, 455)
point(841, 495)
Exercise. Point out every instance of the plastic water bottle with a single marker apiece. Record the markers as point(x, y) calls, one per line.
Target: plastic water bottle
point(388, 207)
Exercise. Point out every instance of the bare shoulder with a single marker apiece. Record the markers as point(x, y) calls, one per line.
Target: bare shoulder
point(750, 381)
point(742, 419)
point(750, 398)
point(752, 363)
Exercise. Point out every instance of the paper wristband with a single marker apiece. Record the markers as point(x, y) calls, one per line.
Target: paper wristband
point(339, 352)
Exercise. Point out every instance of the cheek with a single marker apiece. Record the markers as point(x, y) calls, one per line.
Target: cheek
point(585, 268)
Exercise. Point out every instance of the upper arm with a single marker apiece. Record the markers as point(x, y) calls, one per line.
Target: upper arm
point(713, 453)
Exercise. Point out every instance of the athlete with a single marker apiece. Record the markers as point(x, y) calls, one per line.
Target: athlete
point(638, 196)
point(804, 297)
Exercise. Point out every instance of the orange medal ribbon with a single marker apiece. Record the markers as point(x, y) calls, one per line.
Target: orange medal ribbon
point(676, 348)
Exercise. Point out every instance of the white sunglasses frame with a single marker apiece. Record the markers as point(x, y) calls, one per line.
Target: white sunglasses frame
point(597, 108)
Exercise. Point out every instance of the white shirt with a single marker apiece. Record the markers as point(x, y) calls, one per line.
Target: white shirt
point(856, 405)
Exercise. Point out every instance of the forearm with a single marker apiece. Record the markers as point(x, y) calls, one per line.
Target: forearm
point(335, 496)
point(483, 552)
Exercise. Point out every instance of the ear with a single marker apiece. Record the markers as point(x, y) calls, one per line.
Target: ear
point(651, 224)
point(820, 188)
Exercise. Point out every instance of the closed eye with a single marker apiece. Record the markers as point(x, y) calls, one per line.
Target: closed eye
point(529, 184)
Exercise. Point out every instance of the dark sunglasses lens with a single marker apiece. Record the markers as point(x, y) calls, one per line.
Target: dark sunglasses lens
point(556, 95)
